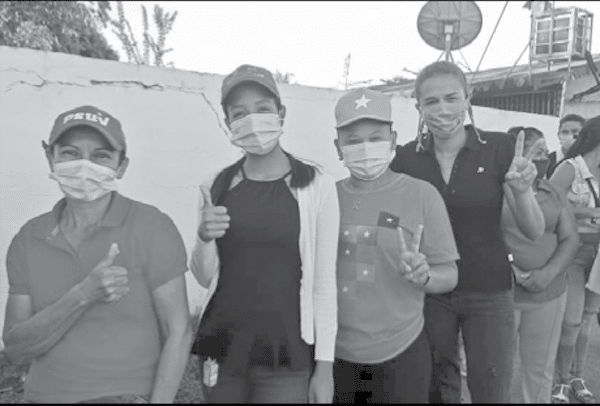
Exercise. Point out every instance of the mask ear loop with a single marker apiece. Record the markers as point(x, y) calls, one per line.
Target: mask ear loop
point(420, 127)
point(470, 111)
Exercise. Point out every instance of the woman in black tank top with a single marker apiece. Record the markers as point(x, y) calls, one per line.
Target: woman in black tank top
point(250, 339)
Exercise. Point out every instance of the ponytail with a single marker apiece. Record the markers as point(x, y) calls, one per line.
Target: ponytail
point(470, 111)
point(420, 127)
point(223, 180)
point(302, 173)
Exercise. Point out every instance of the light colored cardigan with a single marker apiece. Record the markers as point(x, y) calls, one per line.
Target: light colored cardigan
point(318, 243)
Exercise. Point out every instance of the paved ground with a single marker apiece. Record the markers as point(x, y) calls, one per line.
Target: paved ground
point(591, 376)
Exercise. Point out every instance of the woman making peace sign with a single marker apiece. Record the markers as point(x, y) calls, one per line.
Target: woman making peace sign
point(473, 170)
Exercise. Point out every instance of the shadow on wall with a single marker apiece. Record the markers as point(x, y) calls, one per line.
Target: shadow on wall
point(173, 122)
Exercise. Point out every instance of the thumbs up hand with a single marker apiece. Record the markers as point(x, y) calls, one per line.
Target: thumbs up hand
point(105, 282)
point(215, 220)
point(413, 264)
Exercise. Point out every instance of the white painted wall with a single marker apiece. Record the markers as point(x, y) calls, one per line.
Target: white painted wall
point(174, 127)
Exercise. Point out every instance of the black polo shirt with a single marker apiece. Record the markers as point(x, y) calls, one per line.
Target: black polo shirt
point(474, 199)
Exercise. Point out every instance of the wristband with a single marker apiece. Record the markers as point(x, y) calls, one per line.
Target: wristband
point(426, 280)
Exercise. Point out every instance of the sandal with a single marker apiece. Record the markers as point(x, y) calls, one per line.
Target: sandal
point(560, 394)
point(581, 392)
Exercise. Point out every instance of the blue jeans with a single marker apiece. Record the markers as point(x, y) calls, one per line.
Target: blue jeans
point(403, 379)
point(260, 385)
point(487, 322)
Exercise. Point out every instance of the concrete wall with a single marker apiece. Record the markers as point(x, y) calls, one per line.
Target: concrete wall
point(174, 128)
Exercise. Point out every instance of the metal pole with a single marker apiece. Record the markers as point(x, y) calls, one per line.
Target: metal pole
point(516, 62)
point(490, 40)
point(532, 34)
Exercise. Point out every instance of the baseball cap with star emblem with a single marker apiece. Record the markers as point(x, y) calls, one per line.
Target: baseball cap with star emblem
point(362, 103)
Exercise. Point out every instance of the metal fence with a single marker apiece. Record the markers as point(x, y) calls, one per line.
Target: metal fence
point(541, 101)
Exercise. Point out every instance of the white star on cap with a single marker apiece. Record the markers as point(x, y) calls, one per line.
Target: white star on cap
point(365, 272)
point(367, 234)
point(346, 232)
point(345, 289)
point(347, 252)
point(362, 102)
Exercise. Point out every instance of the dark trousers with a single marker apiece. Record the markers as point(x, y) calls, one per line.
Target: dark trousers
point(260, 385)
point(129, 399)
point(487, 321)
point(403, 379)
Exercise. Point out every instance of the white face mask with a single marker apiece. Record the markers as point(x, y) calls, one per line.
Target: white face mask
point(256, 133)
point(84, 180)
point(367, 160)
point(446, 122)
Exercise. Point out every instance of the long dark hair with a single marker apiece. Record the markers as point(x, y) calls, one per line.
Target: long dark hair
point(587, 140)
point(302, 175)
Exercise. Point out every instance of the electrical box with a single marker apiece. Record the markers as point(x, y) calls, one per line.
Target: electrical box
point(561, 34)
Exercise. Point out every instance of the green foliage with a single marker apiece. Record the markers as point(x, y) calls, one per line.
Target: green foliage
point(164, 24)
point(72, 27)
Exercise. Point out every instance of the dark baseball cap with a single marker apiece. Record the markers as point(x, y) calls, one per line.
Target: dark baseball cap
point(89, 116)
point(249, 73)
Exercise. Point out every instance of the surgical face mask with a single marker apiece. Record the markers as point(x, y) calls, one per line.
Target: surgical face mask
point(367, 160)
point(447, 121)
point(256, 133)
point(542, 167)
point(84, 180)
point(566, 141)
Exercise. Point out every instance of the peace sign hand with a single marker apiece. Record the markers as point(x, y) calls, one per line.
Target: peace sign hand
point(522, 171)
point(413, 264)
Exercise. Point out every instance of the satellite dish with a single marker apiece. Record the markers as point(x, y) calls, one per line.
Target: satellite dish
point(449, 25)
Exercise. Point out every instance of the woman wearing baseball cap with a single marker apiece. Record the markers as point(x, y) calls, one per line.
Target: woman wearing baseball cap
point(97, 298)
point(267, 243)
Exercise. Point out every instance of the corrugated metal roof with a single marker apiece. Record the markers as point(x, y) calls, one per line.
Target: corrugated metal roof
point(495, 79)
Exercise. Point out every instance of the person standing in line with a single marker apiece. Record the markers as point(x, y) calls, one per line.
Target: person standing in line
point(568, 129)
point(540, 276)
point(267, 242)
point(97, 299)
point(473, 170)
point(578, 176)
point(382, 281)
